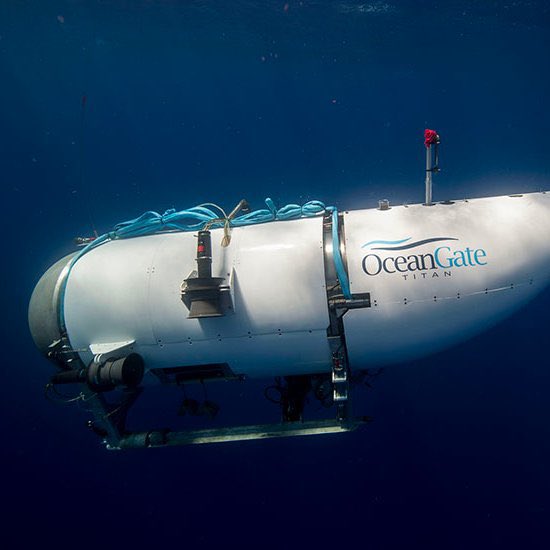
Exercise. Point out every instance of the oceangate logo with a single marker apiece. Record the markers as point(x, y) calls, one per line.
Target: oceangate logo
point(430, 264)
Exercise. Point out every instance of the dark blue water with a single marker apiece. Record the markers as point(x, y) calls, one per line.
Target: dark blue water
point(198, 100)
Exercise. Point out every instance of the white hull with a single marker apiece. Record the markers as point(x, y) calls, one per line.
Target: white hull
point(483, 259)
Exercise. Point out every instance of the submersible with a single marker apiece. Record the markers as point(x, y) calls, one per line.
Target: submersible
point(306, 294)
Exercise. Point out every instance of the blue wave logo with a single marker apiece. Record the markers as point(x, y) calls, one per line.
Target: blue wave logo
point(394, 245)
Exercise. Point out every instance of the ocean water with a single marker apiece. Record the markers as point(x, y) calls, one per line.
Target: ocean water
point(193, 101)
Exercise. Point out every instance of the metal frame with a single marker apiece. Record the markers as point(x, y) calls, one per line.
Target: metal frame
point(109, 423)
point(236, 433)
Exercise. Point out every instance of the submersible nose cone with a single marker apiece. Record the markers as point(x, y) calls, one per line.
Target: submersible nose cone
point(44, 306)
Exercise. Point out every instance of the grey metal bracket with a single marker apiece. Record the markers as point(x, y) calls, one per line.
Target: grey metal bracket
point(340, 380)
point(103, 351)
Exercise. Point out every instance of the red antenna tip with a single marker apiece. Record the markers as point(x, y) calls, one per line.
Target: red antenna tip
point(430, 137)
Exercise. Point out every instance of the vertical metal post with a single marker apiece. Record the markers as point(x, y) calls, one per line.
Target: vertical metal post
point(428, 175)
point(431, 141)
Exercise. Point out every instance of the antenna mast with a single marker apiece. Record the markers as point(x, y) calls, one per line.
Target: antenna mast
point(431, 141)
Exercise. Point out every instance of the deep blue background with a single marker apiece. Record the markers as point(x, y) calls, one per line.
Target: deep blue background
point(195, 101)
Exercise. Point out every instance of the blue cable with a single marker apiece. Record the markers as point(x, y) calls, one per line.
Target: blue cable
point(196, 218)
point(337, 255)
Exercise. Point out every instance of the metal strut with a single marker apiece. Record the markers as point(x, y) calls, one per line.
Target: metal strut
point(338, 305)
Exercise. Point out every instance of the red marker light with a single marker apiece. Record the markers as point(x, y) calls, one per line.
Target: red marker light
point(430, 137)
